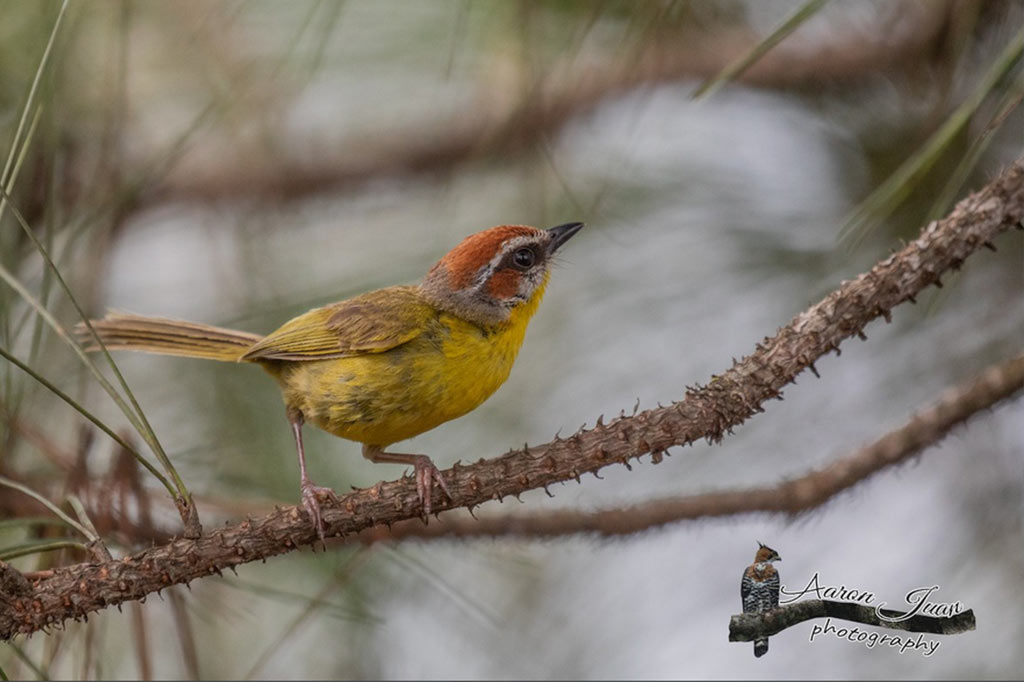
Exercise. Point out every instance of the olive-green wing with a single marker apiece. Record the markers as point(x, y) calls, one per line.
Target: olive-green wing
point(370, 323)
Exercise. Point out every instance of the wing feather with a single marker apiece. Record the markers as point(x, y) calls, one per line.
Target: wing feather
point(373, 322)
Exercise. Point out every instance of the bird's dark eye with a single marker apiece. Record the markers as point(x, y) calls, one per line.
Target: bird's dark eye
point(524, 259)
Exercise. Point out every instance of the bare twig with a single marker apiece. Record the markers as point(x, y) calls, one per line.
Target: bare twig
point(707, 412)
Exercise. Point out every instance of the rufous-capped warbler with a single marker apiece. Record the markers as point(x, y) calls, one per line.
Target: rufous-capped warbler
point(388, 364)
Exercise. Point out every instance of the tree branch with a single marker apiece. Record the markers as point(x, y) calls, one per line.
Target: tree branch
point(706, 412)
point(799, 495)
point(746, 627)
point(795, 496)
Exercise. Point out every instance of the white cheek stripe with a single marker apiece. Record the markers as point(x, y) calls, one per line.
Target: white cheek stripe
point(486, 271)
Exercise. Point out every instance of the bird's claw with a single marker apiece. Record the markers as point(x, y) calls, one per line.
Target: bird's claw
point(311, 495)
point(427, 473)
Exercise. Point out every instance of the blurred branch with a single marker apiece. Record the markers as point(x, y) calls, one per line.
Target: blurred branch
point(798, 495)
point(707, 412)
point(117, 501)
point(186, 633)
point(735, 69)
point(747, 627)
point(495, 124)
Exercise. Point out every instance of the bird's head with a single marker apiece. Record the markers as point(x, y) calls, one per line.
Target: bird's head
point(766, 554)
point(492, 273)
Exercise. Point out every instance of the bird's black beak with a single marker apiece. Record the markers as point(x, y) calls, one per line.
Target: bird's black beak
point(560, 234)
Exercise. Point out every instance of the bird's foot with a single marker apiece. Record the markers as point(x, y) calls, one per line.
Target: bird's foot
point(311, 495)
point(426, 475)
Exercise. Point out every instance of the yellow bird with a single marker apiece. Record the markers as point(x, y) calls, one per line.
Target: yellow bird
point(388, 364)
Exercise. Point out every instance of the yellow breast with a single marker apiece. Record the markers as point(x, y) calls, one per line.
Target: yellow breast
point(382, 398)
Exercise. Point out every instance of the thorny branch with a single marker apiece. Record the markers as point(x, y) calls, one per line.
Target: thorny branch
point(795, 496)
point(746, 627)
point(706, 412)
point(792, 497)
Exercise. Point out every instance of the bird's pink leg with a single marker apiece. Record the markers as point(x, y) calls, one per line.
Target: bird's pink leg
point(425, 471)
point(310, 492)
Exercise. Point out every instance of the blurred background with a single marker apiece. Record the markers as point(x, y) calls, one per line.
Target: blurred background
point(237, 163)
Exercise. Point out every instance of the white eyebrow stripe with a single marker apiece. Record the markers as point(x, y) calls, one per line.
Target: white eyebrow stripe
point(487, 270)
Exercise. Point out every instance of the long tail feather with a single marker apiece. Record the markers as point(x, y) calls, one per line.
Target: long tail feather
point(124, 331)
